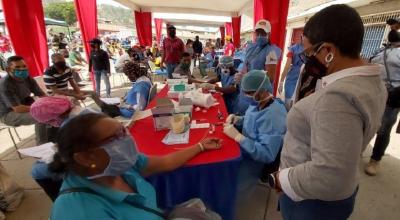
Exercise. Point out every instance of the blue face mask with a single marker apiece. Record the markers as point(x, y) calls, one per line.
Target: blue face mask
point(123, 155)
point(261, 41)
point(22, 74)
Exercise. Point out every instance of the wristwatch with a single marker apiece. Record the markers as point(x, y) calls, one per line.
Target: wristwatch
point(271, 181)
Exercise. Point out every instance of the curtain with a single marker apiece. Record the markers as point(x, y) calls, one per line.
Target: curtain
point(158, 22)
point(143, 27)
point(228, 28)
point(276, 13)
point(236, 30)
point(25, 23)
point(86, 11)
point(222, 30)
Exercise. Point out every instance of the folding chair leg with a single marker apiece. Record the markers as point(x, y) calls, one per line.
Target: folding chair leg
point(15, 144)
point(113, 79)
point(15, 130)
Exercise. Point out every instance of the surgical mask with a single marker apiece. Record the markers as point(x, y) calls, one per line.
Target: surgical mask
point(261, 41)
point(172, 34)
point(256, 102)
point(123, 156)
point(185, 66)
point(60, 64)
point(22, 74)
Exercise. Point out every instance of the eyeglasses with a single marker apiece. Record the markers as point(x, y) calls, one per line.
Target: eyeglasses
point(311, 51)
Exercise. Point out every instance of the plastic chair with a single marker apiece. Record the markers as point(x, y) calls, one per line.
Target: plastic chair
point(3, 127)
point(39, 80)
point(152, 93)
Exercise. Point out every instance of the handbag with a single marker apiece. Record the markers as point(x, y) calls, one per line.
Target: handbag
point(393, 99)
point(11, 193)
point(193, 209)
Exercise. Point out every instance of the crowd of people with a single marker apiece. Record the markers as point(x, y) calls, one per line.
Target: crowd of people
point(307, 147)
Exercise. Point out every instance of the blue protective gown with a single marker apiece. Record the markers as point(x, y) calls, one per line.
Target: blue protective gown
point(264, 131)
point(227, 80)
point(294, 72)
point(254, 60)
point(142, 88)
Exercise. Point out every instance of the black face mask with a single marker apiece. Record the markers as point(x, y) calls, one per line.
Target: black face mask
point(172, 34)
point(60, 64)
point(314, 68)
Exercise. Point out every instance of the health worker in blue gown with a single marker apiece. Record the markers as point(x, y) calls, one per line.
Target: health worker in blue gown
point(260, 55)
point(263, 128)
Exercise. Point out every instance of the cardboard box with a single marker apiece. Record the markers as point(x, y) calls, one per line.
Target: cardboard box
point(162, 114)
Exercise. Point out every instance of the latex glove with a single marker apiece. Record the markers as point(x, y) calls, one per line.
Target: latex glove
point(238, 77)
point(280, 88)
point(208, 86)
point(233, 119)
point(233, 133)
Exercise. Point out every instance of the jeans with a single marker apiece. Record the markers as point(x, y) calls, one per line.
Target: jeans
point(102, 74)
point(170, 69)
point(383, 135)
point(49, 181)
point(313, 209)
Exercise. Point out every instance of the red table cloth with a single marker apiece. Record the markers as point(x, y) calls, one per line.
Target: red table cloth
point(149, 141)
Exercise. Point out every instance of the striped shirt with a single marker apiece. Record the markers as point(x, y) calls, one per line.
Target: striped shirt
point(53, 78)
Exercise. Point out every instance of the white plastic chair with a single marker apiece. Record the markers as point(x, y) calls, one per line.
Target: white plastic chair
point(152, 93)
point(4, 127)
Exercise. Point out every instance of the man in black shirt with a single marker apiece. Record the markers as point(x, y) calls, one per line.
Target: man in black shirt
point(198, 49)
point(100, 62)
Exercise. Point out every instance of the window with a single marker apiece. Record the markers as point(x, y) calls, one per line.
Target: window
point(376, 31)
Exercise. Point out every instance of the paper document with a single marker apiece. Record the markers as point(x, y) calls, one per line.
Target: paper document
point(193, 125)
point(44, 152)
point(139, 115)
point(172, 138)
point(111, 101)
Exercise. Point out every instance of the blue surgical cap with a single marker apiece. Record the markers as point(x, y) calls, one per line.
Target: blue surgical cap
point(251, 82)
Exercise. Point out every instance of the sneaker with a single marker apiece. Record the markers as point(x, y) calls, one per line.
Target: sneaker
point(372, 167)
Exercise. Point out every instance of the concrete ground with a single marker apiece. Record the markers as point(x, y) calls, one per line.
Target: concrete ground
point(378, 197)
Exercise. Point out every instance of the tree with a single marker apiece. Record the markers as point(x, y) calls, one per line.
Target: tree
point(61, 11)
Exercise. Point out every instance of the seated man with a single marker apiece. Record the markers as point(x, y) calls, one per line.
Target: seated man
point(15, 97)
point(137, 97)
point(126, 57)
point(75, 74)
point(57, 76)
point(183, 69)
point(263, 129)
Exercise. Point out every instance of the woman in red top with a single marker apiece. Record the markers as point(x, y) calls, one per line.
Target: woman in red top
point(229, 48)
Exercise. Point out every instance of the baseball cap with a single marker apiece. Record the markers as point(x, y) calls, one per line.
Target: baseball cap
point(263, 24)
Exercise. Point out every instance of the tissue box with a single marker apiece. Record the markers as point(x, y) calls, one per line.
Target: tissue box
point(177, 89)
point(177, 81)
point(162, 114)
point(185, 106)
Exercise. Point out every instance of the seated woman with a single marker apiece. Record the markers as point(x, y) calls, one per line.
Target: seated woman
point(263, 129)
point(104, 172)
point(137, 97)
point(226, 73)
